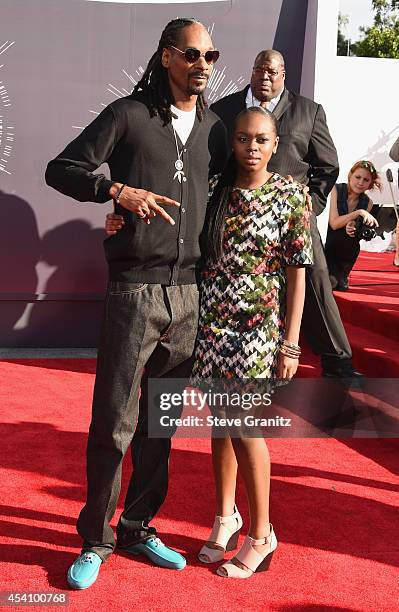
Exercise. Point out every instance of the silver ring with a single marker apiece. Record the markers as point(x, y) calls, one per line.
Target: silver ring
point(150, 215)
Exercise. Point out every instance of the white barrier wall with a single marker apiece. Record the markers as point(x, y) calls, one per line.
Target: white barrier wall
point(360, 97)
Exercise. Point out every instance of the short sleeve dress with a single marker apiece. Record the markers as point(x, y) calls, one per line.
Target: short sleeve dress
point(243, 295)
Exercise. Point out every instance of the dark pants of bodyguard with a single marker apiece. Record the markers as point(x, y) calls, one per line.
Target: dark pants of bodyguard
point(145, 326)
point(321, 322)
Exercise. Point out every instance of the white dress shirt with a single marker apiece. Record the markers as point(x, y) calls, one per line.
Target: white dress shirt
point(250, 100)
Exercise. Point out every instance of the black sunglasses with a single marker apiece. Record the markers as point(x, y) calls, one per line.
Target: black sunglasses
point(192, 55)
point(368, 166)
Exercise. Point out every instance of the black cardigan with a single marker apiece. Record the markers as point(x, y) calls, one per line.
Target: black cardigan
point(141, 152)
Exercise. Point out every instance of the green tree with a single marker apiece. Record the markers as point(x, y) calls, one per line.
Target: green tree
point(382, 38)
point(383, 10)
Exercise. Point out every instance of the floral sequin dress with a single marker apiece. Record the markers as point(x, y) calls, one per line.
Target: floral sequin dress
point(243, 296)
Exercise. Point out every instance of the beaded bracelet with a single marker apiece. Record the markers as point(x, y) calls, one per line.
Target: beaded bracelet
point(289, 349)
point(291, 345)
point(290, 355)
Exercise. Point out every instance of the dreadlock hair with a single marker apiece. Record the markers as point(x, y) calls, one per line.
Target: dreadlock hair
point(212, 235)
point(154, 83)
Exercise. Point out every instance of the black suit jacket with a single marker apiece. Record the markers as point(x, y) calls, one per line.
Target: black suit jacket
point(305, 151)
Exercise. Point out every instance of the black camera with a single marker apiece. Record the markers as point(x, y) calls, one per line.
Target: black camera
point(363, 231)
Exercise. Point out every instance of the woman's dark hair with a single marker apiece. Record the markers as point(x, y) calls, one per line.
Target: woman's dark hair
point(154, 83)
point(212, 236)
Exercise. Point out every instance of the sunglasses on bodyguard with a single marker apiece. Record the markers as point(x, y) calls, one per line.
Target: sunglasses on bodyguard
point(192, 55)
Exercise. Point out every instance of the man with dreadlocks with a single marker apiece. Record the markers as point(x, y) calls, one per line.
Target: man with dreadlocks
point(162, 139)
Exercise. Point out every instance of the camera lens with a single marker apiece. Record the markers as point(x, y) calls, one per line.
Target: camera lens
point(368, 233)
point(364, 232)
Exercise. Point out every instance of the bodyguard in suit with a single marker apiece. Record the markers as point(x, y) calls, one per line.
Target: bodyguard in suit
point(306, 152)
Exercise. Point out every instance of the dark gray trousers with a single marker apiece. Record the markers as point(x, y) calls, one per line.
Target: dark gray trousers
point(148, 331)
point(321, 321)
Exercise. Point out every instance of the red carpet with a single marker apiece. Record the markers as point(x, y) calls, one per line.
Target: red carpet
point(372, 301)
point(370, 311)
point(334, 503)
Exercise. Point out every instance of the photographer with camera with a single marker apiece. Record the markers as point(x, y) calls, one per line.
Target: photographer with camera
point(350, 221)
point(394, 154)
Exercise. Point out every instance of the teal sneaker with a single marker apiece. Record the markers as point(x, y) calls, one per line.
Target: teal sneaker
point(84, 571)
point(158, 553)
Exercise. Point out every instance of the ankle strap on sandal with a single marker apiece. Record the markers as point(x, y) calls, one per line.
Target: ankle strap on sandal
point(265, 540)
point(229, 518)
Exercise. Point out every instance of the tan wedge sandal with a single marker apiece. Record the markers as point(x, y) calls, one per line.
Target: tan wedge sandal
point(225, 532)
point(250, 558)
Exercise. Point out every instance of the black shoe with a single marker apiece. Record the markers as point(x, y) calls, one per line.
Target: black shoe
point(342, 284)
point(333, 281)
point(342, 371)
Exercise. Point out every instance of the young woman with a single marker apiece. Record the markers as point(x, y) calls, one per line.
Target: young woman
point(348, 202)
point(257, 242)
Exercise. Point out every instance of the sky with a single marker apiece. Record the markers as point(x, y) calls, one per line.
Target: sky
point(360, 13)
